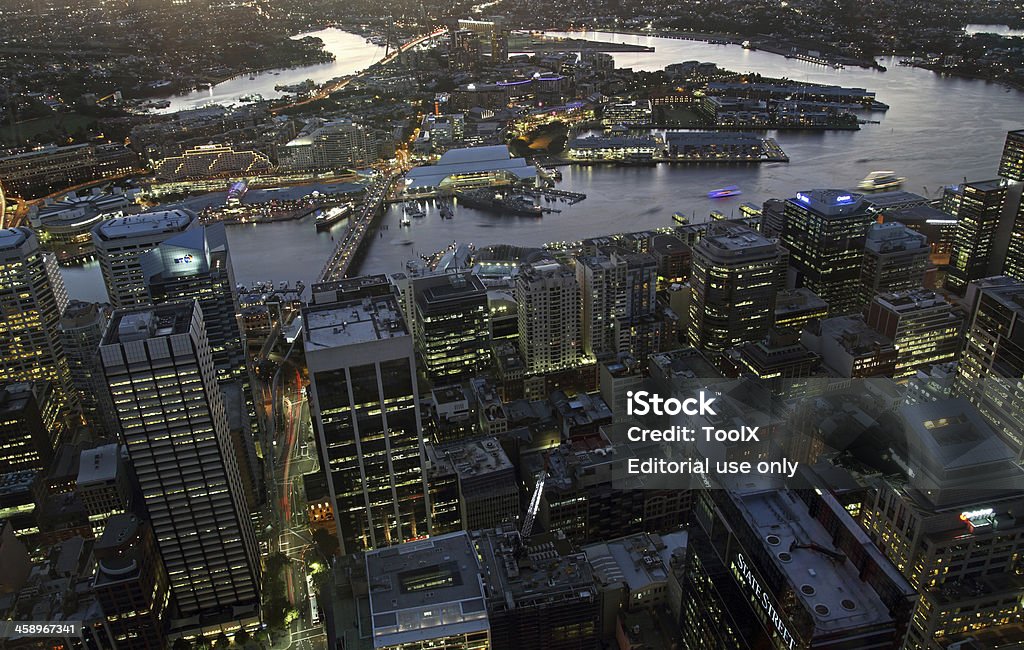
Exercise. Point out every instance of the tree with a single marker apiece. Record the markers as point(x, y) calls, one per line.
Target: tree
point(242, 637)
point(325, 542)
point(222, 641)
point(181, 644)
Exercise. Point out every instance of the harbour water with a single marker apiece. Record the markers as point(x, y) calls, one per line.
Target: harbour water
point(937, 131)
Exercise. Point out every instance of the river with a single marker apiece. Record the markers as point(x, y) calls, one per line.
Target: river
point(938, 130)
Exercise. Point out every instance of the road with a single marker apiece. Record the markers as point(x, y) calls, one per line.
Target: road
point(359, 225)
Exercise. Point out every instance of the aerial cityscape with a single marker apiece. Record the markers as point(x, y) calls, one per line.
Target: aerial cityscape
point(609, 324)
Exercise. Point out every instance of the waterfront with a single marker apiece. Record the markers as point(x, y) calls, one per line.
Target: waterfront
point(932, 134)
point(351, 54)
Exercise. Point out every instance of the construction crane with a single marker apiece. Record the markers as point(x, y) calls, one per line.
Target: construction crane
point(534, 507)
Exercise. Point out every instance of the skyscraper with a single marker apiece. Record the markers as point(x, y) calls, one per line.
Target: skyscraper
point(121, 242)
point(601, 281)
point(365, 406)
point(196, 264)
point(824, 233)
point(550, 332)
point(734, 279)
point(921, 324)
point(1013, 266)
point(81, 330)
point(32, 298)
point(895, 259)
point(981, 204)
point(24, 439)
point(1011, 165)
point(992, 361)
point(159, 369)
point(452, 332)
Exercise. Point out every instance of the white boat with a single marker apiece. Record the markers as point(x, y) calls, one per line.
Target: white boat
point(881, 180)
point(405, 221)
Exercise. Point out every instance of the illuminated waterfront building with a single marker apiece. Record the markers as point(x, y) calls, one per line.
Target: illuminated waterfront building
point(978, 210)
point(210, 160)
point(65, 226)
point(950, 522)
point(824, 233)
point(594, 148)
point(735, 276)
point(452, 325)
point(461, 169)
point(636, 111)
point(120, 243)
point(921, 324)
point(366, 415)
point(334, 145)
point(32, 298)
point(895, 259)
point(550, 331)
point(1011, 165)
point(159, 370)
point(196, 264)
point(992, 361)
point(778, 568)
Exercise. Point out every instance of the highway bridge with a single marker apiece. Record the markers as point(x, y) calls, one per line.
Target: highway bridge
point(358, 226)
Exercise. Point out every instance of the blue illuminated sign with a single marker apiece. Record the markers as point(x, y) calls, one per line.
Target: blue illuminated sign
point(803, 197)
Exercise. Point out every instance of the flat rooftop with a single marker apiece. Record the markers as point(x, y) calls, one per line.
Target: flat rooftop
point(425, 590)
point(149, 322)
point(796, 301)
point(830, 203)
point(441, 290)
point(145, 225)
point(728, 241)
point(824, 581)
point(98, 465)
point(352, 322)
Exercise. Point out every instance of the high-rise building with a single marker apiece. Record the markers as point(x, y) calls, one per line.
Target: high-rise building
point(32, 298)
point(795, 308)
point(1011, 165)
point(103, 485)
point(895, 259)
point(921, 324)
point(159, 369)
point(452, 332)
point(131, 583)
point(334, 145)
point(550, 332)
point(1013, 266)
point(735, 276)
point(949, 521)
point(601, 280)
point(81, 330)
point(774, 568)
point(638, 331)
point(120, 244)
point(824, 233)
point(978, 213)
point(196, 264)
point(992, 361)
point(25, 442)
point(366, 413)
point(427, 594)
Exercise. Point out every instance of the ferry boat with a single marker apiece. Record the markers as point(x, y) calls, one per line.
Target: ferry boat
point(325, 220)
point(724, 192)
point(882, 180)
point(446, 211)
point(406, 221)
point(414, 210)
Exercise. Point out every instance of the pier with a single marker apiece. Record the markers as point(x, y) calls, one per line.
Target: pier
point(571, 198)
point(360, 223)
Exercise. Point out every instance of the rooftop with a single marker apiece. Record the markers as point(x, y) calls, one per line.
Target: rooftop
point(145, 225)
point(830, 203)
point(425, 590)
point(471, 160)
point(439, 291)
point(127, 325)
point(892, 237)
point(11, 238)
point(728, 240)
point(98, 465)
point(353, 322)
point(638, 561)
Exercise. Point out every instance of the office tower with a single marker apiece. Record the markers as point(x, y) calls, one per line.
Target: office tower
point(365, 404)
point(81, 330)
point(131, 583)
point(921, 324)
point(452, 330)
point(850, 348)
point(736, 274)
point(438, 584)
point(895, 259)
point(978, 212)
point(824, 233)
point(780, 358)
point(334, 145)
point(992, 361)
point(776, 568)
point(795, 308)
point(950, 521)
point(25, 442)
point(120, 244)
point(1013, 266)
point(550, 333)
point(196, 265)
point(32, 297)
point(159, 369)
point(638, 331)
point(103, 485)
point(602, 282)
point(1011, 165)
point(15, 563)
